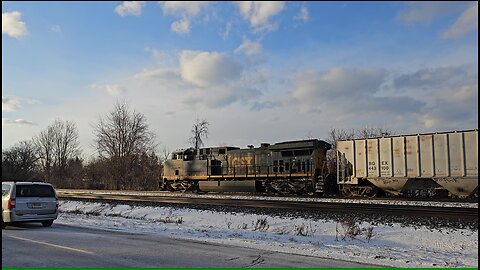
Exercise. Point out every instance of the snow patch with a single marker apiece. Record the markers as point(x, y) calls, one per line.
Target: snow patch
point(392, 245)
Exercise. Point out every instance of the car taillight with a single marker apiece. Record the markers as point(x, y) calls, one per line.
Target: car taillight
point(11, 203)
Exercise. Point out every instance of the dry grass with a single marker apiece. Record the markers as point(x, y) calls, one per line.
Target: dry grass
point(351, 229)
point(304, 230)
point(260, 225)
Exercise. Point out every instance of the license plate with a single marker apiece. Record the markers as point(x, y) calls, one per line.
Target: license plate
point(35, 205)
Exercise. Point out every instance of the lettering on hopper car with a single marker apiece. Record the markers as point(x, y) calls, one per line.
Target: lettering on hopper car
point(372, 166)
point(384, 166)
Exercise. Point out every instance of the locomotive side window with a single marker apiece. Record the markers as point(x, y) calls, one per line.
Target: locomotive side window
point(275, 166)
point(305, 152)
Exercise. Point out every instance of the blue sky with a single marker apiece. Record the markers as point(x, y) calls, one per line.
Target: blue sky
point(257, 71)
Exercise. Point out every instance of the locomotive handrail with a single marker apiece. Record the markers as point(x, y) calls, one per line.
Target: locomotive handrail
point(257, 170)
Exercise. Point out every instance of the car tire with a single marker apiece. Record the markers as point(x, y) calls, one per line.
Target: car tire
point(47, 223)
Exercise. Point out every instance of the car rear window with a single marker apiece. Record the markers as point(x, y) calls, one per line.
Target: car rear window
point(35, 191)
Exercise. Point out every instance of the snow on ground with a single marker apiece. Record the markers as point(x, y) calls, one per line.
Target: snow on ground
point(392, 245)
point(235, 197)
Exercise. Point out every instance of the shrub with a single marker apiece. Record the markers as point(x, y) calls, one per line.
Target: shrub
point(304, 230)
point(260, 225)
point(350, 229)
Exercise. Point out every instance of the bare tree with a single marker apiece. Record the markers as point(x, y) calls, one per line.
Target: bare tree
point(123, 133)
point(124, 142)
point(165, 154)
point(20, 161)
point(45, 142)
point(57, 145)
point(339, 134)
point(199, 131)
point(335, 135)
point(369, 132)
point(66, 143)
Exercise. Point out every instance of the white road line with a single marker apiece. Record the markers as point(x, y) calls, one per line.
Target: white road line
point(52, 245)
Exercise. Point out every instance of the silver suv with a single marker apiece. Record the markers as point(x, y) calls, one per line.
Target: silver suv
point(27, 202)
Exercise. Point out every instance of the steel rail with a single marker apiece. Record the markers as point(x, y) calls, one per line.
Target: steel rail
point(379, 209)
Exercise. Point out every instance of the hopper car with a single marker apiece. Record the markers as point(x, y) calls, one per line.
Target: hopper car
point(432, 162)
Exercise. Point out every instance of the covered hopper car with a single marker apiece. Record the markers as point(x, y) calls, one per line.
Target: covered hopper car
point(445, 161)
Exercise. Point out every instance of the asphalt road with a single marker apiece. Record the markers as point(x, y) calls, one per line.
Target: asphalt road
point(31, 245)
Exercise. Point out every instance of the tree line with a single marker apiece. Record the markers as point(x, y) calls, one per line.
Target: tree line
point(126, 155)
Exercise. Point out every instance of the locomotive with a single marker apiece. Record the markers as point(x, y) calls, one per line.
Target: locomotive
point(291, 167)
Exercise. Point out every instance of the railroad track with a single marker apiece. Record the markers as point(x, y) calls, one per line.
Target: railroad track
point(457, 213)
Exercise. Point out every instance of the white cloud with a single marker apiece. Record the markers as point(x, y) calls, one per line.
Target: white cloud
point(348, 93)
point(462, 95)
point(218, 96)
point(56, 28)
point(450, 116)
point(208, 68)
point(130, 8)
point(112, 89)
point(258, 13)
point(432, 78)
point(157, 54)
point(337, 83)
point(425, 11)
point(181, 27)
point(466, 23)
point(226, 33)
point(186, 10)
point(303, 14)
point(183, 8)
point(203, 79)
point(450, 92)
point(164, 76)
point(18, 122)
point(249, 48)
point(259, 76)
point(12, 24)
point(10, 104)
